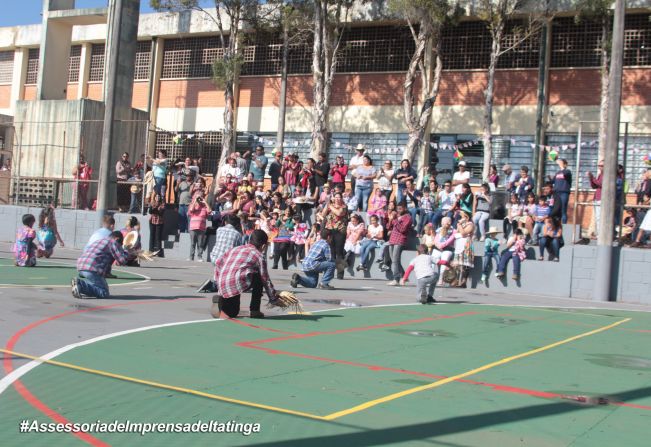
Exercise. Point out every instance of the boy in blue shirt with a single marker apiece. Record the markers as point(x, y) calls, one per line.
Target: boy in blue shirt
point(491, 250)
point(541, 212)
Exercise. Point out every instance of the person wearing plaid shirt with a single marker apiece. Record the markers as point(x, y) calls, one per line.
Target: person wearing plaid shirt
point(226, 237)
point(239, 270)
point(318, 260)
point(93, 265)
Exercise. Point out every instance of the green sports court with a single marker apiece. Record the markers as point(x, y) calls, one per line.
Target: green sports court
point(448, 374)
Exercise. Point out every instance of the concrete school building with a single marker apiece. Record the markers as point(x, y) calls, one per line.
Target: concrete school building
point(173, 68)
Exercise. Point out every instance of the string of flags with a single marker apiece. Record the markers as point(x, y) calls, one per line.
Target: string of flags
point(553, 151)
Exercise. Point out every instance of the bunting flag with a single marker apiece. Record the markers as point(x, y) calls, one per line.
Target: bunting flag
point(457, 155)
point(647, 159)
point(552, 155)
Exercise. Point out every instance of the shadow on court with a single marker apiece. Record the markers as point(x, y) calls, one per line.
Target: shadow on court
point(450, 426)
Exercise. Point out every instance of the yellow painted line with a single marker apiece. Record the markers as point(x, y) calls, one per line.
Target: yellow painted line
point(447, 380)
point(164, 386)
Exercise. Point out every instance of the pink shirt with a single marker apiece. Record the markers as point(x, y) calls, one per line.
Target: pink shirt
point(198, 218)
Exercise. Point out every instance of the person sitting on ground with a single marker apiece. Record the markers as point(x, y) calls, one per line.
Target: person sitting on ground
point(242, 269)
point(399, 231)
point(25, 248)
point(426, 276)
point(515, 249)
point(93, 265)
point(47, 233)
point(355, 232)
point(374, 239)
point(491, 251)
point(318, 260)
point(552, 239)
point(541, 212)
point(132, 225)
point(443, 250)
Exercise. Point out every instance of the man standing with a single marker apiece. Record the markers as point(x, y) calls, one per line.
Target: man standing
point(321, 171)
point(122, 173)
point(94, 264)
point(596, 183)
point(226, 238)
point(338, 173)
point(318, 260)
point(258, 164)
point(400, 228)
point(242, 269)
point(563, 186)
point(275, 168)
point(354, 163)
point(460, 177)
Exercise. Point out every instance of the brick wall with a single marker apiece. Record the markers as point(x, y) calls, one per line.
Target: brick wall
point(71, 91)
point(512, 87)
point(95, 91)
point(582, 87)
point(30, 93)
point(5, 96)
point(140, 95)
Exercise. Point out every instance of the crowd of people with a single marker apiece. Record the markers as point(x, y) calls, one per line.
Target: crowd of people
point(313, 218)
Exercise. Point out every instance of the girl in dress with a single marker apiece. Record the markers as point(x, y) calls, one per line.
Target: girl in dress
point(355, 231)
point(463, 250)
point(299, 237)
point(25, 248)
point(47, 233)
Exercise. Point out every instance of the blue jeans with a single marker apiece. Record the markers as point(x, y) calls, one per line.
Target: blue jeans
point(565, 199)
point(362, 193)
point(311, 278)
point(183, 218)
point(160, 184)
point(537, 230)
point(505, 257)
point(92, 284)
point(133, 206)
point(488, 260)
point(413, 212)
point(400, 193)
point(425, 218)
point(553, 245)
point(367, 246)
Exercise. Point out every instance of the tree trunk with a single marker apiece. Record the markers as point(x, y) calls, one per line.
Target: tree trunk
point(489, 96)
point(229, 107)
point(603, 106)
point(320, 107)
point(282, 101)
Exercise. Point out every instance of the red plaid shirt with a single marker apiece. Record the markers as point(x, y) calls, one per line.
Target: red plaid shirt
point(233, 271)
point(400, 229)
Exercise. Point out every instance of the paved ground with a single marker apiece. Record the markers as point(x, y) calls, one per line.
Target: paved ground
point(41, 319)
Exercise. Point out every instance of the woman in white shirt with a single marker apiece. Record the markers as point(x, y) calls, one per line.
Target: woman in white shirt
point(374, 239)
point(385, 179)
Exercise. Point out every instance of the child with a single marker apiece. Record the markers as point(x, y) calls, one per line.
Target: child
point(426, 209)
point(425, 275)
point(513, 215)
point(25, 248)
point(491, 250)
point(515, 249)
point(47, 233)
point(259, 191)
point(350, 200)
point(541, 212)
point(197, 214)
point(355, 232)
point(552, 239)
point(299, 238)
point(628, 226)
point(428, 237)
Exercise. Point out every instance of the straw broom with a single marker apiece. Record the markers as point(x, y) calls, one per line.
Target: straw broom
point(287, 301)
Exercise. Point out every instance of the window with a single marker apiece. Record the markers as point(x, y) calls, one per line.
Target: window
point(32, 66)
point(377, 48)
point(575, 44)
point(73, 63)
point(6, 66)
point(143, 61)
point(207, 145)
point(637, 39)
point(190, 58)
point(96, 72)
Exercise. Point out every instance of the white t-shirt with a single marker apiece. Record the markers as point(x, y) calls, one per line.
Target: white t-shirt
point(357, 160)
point(422, 266)
point(447, 199)
point(462, 177)
point(374, 230)
point(233, 171)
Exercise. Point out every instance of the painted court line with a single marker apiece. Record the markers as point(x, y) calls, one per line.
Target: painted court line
point(162, 385)
point(450, 379)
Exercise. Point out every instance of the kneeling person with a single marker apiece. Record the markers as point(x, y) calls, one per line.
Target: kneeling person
point(239, 270)
point(95, 263)
point(426, 276)
point(318, 260)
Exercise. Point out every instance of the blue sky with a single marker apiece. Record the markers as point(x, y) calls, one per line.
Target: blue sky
point(29, 11)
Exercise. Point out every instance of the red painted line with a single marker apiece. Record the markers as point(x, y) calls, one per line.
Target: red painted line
point(35, 401)
point(254, 326)
point(356, 329)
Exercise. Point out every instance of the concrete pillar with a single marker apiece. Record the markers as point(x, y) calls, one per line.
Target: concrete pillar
point(55, 48)
point(84, 70)
point(18, 77)
point(156, 72)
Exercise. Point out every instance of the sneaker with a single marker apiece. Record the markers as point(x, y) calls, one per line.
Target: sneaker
point(483, 279)
point(359, 268)
point(110, 276)
point(190, 259)
point(393, 283)
point(206, 287)
point(75, 288)
point(430, 299)
point(294, 281)
point(326, 286)
point(515, 277)
point(499, 275)
point(256, 314)
point(200, 260)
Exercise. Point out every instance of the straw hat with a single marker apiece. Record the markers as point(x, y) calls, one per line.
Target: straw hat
point(360, 147)
point(493, 230)
point(130, 239)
